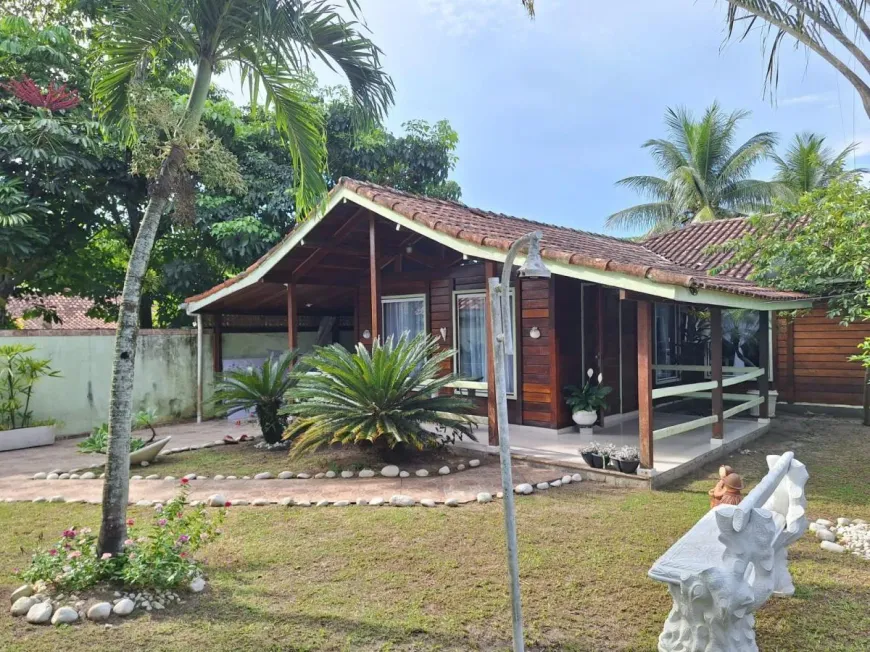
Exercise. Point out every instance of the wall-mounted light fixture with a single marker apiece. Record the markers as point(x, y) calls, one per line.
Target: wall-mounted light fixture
point(534, 333)
point(398, 227)
point(367, 334)
point(308, 305)
point(443, 331)
point(409, 249)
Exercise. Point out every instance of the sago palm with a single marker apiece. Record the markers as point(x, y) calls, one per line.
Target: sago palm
point(271, 42)
point(705, 176)
point(389, 397)
point(807, 165)
point(261, 389)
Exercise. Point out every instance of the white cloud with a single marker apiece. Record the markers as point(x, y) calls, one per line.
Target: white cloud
point(459, 18)
point(815, 98)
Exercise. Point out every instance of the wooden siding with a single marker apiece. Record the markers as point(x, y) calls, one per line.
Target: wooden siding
point(812, 360)
point(569, 312)
point(629, 356)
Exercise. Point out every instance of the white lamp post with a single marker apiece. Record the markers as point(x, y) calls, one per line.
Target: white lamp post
point(502, 345)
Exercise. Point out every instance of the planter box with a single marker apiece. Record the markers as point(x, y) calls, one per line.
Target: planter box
point(11, 440)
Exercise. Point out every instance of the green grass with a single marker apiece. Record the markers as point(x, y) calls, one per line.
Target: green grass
point(244, 459)
point(434, 579)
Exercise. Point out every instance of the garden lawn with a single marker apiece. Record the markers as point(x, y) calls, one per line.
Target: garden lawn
point(244, 459)
point(363, 578)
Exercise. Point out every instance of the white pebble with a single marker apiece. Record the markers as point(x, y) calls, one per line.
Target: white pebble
point(444, 470)
point(421, 473)
point(473, 463)
point(484, 497)
point(542, 486)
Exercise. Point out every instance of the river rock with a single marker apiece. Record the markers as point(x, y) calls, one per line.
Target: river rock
point(341, 503)
point(64, 615)
point(556, 483)
point(830, 546)
point(542, 486)
point(400, 500)
point(40, 476)
point(260, 502)
point(347, 474)
point(451, 502)
point(390, 471)
point(322, 503)
point(303, 476)
point(473, 463)
point(218, 477)
point(216, 500)
point(366, 473)
point(566, 479)
point(88, 475)
point(285, 475)
point(39, 613)
point(63, 476)
point(444, 470)
point(124, 607)
point(404, 474)
point(841, 522)
point(524, 489)
point(100, 611)
point(22, 605)
point(319, 476)
point(264, 476)
point(825, 522)
point(825, 535)
point(376, 502)
point(197, 585)
point(428, 502)
point(286, 502)
point(576, 478)
point(24, 591)
point(52, 476)
point(484, 497)
point(421, 473)
point(330, 474)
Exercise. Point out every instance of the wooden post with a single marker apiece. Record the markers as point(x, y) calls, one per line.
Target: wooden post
point(764, 360)
point(374, 279)
point(292, 338)
point(788, 381)
point(645, 381)
point(600, 309)
point(491, 408)
point(716, 365)
point(217, 348)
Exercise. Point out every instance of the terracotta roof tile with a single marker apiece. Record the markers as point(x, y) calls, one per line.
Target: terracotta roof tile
point(71, 311)
point(659, 261)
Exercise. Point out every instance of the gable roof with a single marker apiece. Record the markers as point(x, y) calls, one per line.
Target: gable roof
point(71, 310)
point(490, 234)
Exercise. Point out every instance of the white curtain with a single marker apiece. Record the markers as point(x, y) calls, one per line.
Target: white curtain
point(404, 316)
point(665, 331)
point(471, 340)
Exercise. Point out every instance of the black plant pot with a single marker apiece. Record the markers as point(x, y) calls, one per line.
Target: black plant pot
point(589, 458)
point(627, 467)
point(597, 461)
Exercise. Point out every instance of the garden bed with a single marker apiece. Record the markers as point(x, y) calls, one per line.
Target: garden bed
point(246, 459)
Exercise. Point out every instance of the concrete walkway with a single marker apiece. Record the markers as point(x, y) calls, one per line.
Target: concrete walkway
point(18, 467)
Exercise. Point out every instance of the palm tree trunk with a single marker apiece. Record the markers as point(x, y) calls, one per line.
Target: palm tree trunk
point(113, 528)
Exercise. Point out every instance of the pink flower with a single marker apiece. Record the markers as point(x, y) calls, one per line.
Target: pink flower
point(85, 530)
point(106, 555)
point(52, 552)
point(130, 522)
point(129, 542)
point(162, 522)
point(69, 534)
point(183, 555)
point(185, 481)
point(183, 538)
point(74, 554)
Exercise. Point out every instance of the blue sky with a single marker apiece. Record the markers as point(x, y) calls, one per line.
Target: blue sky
point(551, 112)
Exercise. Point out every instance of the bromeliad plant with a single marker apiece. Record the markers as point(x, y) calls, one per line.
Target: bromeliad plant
point(19, 373)
point(159, 555)
point(261, 389)
point(387, 398)
point(588, 398)
point(98, 440)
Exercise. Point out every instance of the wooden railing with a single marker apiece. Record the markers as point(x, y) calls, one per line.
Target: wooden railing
point(698, 390)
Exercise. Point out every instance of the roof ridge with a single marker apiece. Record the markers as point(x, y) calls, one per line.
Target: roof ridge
point(694, 226)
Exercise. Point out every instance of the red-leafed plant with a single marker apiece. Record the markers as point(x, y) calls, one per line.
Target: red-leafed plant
point(56, 98)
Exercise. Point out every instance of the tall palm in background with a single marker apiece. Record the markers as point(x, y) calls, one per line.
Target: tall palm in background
point(807, 165)
point(705, 176)
point(271, 42)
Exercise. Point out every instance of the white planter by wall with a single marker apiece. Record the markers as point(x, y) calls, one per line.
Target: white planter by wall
point(585, 418)
point(772, 396)
point(11, 440)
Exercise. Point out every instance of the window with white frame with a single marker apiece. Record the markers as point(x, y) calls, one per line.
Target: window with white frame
point(469, 338)
point(666, 330)
point(403, 314)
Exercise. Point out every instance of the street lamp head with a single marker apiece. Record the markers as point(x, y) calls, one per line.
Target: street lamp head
point(534, 266)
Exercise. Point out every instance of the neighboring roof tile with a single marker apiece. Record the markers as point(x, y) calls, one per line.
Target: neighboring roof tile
point(571, 246)
point(71, 311)
point(687, 246)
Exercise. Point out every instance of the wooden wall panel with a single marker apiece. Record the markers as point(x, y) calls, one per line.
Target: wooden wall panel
point(537, 371)
point(629, 356)
point(812, 360)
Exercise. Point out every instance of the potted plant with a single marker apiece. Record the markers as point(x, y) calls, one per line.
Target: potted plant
point(585, 401)
point(627, 459)
point(597, 455)
point(19, 372)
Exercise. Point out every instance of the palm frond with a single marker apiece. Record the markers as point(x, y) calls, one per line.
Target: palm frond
point(643, 216)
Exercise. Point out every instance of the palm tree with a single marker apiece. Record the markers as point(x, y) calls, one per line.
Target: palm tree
point(271, 42)
point(706, 178)
point(388, 398)
point(807, 164)
point(261, 389)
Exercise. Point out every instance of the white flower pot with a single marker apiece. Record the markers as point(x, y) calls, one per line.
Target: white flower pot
point(11, 440)
point(585, 418)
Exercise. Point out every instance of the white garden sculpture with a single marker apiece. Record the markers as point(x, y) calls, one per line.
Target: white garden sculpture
point(728, 565)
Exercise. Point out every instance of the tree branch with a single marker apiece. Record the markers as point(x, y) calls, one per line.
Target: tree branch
point(851, 11)
point(832, 29)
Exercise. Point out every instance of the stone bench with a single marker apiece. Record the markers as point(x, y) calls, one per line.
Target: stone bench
point(728, 565)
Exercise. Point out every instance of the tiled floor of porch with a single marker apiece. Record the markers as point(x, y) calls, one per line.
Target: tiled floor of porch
point(672, 456)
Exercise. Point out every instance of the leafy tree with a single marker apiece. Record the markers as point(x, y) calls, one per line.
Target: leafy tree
point(807, 164)
point(819, 244)
point(271, 42)
point(814, 24)
point(706, 177)
point(386, 398)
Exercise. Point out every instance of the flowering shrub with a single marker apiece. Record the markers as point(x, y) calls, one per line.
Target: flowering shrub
point(159, 555)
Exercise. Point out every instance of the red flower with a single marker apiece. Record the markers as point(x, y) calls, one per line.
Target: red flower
point(130, 522)
point(69, 534)
point(227, 504)
point(184, 481)
point(56, 98)
point(52, 552)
